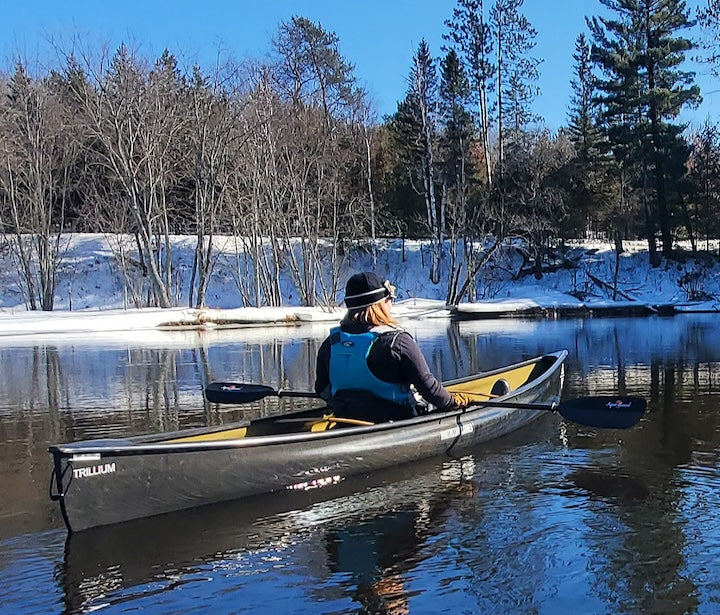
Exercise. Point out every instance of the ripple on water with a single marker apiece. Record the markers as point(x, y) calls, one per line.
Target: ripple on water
point(29, 564)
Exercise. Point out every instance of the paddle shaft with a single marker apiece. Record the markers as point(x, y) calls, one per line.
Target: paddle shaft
point(602, 411)
point(284, 393)
point(551, 407)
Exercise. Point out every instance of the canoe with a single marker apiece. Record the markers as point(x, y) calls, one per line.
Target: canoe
point(106, 481)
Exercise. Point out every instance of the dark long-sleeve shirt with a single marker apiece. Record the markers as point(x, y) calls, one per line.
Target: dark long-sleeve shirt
point(394, 357)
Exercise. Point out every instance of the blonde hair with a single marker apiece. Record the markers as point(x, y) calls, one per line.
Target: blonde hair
point(371, 315)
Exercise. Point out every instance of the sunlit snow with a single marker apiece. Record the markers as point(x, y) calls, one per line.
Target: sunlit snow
point(90, 295)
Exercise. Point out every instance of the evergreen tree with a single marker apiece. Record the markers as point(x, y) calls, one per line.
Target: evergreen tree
point(470, 32)
point(583, 111)
point(589, 176)
point(415, 127)
point(455, 150)
point(457, 123)
point(516, 72)
point(310, 69)
point(404, 147)
point(643, 89)
point(497, 52)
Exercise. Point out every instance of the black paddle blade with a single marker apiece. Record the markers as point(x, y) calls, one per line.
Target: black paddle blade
point(236, 392)
point(605, 412)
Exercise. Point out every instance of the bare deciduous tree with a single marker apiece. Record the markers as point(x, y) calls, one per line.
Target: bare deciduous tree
point(133, 115)
point(35, 179)
point(211, 130)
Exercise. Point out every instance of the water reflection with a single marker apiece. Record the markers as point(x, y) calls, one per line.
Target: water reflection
point(557, 515)
point(609, 485)
point(65, 388)
point(366, 532)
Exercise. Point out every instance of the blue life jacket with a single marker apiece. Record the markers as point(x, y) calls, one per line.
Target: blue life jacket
point(349, 368)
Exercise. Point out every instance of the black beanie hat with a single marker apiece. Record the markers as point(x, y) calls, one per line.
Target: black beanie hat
point(364, 289)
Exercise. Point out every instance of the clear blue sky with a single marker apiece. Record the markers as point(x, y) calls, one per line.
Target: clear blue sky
point(378, 37)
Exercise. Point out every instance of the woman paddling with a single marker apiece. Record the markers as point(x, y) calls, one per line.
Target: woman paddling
point(366, 366)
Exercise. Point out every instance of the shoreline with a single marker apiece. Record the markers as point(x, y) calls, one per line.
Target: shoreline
point(19, 323)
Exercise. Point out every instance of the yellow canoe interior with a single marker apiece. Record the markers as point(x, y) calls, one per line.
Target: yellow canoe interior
point(227, 434)
point(482, 387)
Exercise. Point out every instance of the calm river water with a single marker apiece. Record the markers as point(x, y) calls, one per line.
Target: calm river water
point(552, 519)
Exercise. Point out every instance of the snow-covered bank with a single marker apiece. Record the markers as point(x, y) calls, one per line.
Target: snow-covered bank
point(91, 295)
point(28, 322)
point(21, 323)
point(561, 304)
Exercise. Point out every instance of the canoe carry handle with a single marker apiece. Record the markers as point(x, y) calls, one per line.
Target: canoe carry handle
point(57, 479)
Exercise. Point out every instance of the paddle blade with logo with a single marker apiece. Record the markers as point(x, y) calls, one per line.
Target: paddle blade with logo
point(236, 392)
point(606, 412)
point(244, 393)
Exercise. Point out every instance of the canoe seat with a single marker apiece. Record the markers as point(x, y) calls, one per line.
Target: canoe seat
point(501, 387)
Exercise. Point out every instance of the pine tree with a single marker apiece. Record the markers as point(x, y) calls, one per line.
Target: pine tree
point(310, 69)
point(415, 128)
point(470, 32)
point(497, 52)
point(641, 53)
point(583, 111)
point(516, 72)
point(455, 150)
point(456, 120)
point(589, 173)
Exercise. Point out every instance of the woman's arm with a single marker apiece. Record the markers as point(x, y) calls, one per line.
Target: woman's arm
point(322, 371)
point(415, 368)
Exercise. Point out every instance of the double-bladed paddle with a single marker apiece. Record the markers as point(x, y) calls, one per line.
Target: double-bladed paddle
point(608, 412)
